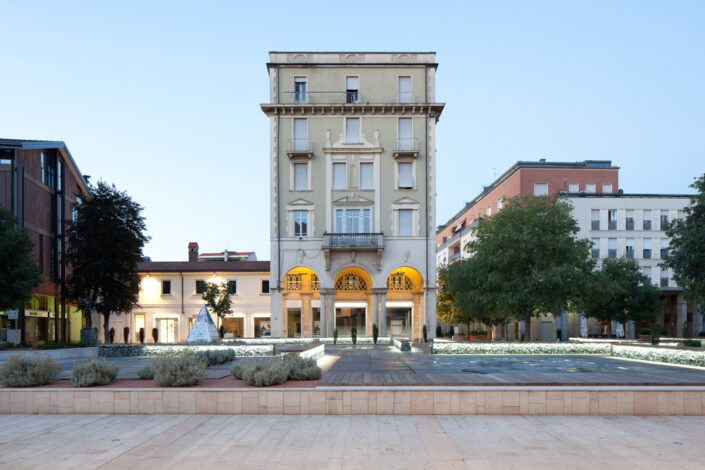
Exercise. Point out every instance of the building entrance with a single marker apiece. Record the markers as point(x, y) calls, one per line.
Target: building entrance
point(167, 330)
point(348, 317)
point(293, 316)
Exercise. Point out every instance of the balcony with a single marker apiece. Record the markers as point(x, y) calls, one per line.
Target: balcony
point(353, 242)
point(299, 148)
point(406, 148)
point(454, 257)
point(323, 97)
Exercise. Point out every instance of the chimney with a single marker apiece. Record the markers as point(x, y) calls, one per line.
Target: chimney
point(192, 252)
point(226, 255)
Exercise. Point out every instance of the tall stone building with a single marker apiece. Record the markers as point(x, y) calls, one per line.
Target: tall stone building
point(353, 167)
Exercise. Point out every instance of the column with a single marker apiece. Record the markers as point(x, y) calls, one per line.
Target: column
point(681, 314)
point(331, 313)
point(383, 314)
point(324, 309)
point(429, 313)
point(276, 312)
point(375, 309)
point(697, 320)
point(306, 316)
point(630, 330)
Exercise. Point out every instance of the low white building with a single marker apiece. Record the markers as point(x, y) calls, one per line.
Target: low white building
point(170, 297)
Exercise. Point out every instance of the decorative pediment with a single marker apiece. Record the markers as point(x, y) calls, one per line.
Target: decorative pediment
point(353, 199)
point(299, 202)
point(405, 200)
point(340, 146)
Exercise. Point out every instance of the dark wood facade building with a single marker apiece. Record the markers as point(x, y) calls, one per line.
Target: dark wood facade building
point(40, 183)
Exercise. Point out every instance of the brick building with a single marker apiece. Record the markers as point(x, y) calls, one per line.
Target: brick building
point(39, 183)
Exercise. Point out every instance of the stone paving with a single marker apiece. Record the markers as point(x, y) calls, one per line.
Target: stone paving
point(349, 442)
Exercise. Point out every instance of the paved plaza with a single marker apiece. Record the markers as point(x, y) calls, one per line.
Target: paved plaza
point(349, 442)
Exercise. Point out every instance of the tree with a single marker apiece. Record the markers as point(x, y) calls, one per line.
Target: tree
point(105, 244)
point(531, 258)
point(686, 250)
point(19, 273)
point(619, 291)
point(217, 298)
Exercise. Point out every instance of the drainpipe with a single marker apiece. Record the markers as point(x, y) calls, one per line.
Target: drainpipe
point(426, 183)
point(279, 265)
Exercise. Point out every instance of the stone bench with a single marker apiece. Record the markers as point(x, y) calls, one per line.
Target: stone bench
point(402, 343)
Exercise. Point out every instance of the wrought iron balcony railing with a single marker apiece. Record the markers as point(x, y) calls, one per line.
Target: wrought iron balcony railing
point(372, 241)
point(407, 147)
point(299, 147)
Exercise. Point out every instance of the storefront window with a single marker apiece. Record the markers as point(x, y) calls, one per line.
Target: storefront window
point(399, 322)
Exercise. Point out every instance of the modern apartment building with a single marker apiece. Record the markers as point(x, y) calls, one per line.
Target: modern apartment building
point(632, 226)
point(40, 183)
point(171, 297)
point(353, 164)
point(524, 179)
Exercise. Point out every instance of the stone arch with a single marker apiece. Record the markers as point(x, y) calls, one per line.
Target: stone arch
point(300, 278)
point(411, 272)
point(354, 271)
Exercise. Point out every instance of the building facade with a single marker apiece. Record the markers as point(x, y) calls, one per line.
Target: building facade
point(352, 158)
point(171, 297)
point(524, 179)
point(40, 183)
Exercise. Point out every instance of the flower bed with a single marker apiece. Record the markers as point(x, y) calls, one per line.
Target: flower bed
point(280, 341)
point(521, 348)
point(156, 350)
point(669, 356)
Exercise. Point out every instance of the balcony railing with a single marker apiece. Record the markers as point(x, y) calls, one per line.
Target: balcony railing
point(299, 147)
point(455, 257)
point(408, 147)
point(323, 97)
point(372, 241)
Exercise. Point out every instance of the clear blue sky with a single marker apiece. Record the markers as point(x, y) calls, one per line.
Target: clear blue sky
point(162, 98)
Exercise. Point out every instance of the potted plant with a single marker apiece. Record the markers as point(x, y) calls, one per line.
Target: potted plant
point(155, 334)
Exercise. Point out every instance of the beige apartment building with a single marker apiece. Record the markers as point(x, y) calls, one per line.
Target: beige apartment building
point(353, 165)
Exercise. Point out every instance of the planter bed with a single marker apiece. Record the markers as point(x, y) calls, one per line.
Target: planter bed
point(156, 350)
point(281, 341)
point(521, 348)
point(688, 357)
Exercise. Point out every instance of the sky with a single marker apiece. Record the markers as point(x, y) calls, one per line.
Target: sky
point(162, 98)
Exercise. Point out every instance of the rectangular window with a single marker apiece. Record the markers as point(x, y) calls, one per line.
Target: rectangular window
point(300, 223)
point(590, 188)
point(352, 88)
point(646, 253)
point(630, 220)
point(339, 221)
point(166, 287)
point(300, 176)
point(366, 221)
point(404, 90)
point(664, 278)
point(352, 130)
point(607, 188)
point(232, 287)
point(265, 286)
point(200, 286)
point(595, 219)
point(664, 220)
point(339, 176)
point(540, 189)
point(404, 134)
point(647, 274)
point(647, 220)
point(629, 247)
point(499, 204)
point(44, 168)
point(664, 248)
point(612, 219)
point(595, 250)
point(612, 247)
point(405, 222)
point(352, 220)
point(366, 176)
point(300, 134)
point(405, 179)
point(300, 90)
point(573, 188)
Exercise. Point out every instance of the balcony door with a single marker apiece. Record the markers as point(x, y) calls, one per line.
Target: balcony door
point(300, 134)
point(404, 133)
point(353, 220)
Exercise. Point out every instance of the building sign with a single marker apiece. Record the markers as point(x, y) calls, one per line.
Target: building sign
point(12, 314)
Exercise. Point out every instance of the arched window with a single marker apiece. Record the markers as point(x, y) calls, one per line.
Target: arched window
point(350, 282)
point(399, 281)
point(293, 281)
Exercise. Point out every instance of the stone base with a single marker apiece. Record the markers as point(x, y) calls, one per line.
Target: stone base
point(561, 401)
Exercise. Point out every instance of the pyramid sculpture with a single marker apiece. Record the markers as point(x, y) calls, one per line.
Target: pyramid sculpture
point(203, 330)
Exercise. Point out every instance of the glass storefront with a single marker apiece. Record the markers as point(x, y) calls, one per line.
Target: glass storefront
point(262, 327)
point(347, 318)
point(316, 314)
point(399, 321)
point(293, 316)
point(234, 326)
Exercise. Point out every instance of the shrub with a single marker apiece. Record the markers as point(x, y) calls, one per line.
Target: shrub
point(221, 330)
point(28, 370)
point(424, 332)
point(180, 371)
point(265, 373)
point(141, 335)
point(93, 373)
point(701, 334)
point(335, 336)
point(687, 332)
point(375, 333)
point(155, 334)
point(452, 332)
point(146, 372)
point(353, 335)
point(238, 367)
point(112, 335)
point(655, 336)
point(439, 331)
point(214, 357)
point(303, 368)
point(693, 343)
point(126, 334)
point(645, 331)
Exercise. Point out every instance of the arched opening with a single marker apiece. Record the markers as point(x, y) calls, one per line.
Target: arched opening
point(353, 297)
point(403, 313)
point(301, 303)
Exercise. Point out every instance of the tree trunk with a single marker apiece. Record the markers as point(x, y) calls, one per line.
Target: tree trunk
point(106, 328)
point(609, 328)
point(527, 328)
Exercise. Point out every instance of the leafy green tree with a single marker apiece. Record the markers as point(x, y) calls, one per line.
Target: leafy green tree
point(686, 250)
point(19, 273)
point(217, 299)
point(618, 291)
point(530, 258)
point(105, 244)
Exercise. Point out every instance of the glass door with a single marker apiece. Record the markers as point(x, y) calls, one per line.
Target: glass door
point(167, 330)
